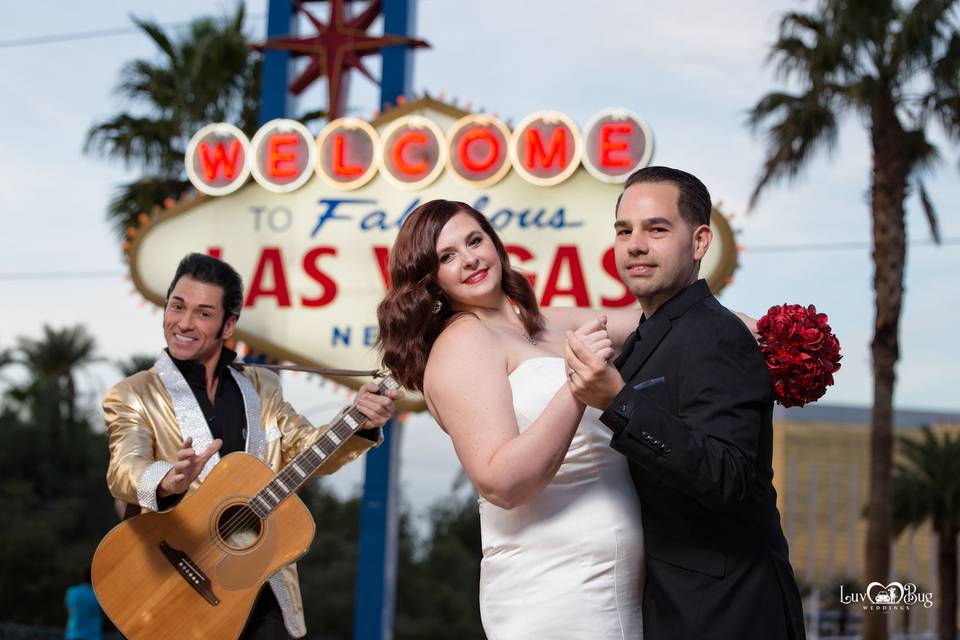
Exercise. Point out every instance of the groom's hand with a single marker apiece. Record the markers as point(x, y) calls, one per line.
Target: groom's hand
point(595, 336)
point(592, 380)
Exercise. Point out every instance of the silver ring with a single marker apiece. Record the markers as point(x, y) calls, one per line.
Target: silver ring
point(570, 373)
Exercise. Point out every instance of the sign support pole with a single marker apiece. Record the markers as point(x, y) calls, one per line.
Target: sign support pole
point(374, 602)
point(274, 98)
point(377, 554)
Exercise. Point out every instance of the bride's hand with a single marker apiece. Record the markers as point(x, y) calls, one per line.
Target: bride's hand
point(750, 322)
point(594, 336)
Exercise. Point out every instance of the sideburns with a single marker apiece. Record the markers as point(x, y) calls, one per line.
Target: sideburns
point(226, 316)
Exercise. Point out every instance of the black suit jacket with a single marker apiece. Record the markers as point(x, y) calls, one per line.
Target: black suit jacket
point(695, 422)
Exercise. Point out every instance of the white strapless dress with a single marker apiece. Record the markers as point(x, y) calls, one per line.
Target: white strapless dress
point(569, 563)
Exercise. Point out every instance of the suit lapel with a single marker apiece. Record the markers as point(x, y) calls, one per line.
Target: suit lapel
point(628, 347)
point(658, 325)
point(651, 337)
point(186, 408)
point(256, 443)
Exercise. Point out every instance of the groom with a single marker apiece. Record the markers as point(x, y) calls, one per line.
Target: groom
point(690, 404)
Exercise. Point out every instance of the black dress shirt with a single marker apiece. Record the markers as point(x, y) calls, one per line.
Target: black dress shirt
point(227, 420)
point(226, 415)
point(617, 415)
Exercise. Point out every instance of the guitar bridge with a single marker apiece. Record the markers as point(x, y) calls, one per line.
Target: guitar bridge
point(189, 572)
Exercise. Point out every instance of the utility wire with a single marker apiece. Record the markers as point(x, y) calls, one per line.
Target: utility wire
point(79, 35)
point(61, 275)
point(837, 246)
point(93, 34)
point(97, 33)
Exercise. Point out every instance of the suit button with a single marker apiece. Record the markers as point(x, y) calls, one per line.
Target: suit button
point(622, 408)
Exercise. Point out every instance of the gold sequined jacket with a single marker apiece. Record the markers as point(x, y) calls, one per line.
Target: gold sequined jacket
point(149, 414)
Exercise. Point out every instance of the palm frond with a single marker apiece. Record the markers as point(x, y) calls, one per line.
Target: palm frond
point(929, 212)
point(209, 74)
point(946, 64)
point(919, 153)
point(801, 125)
point(862, 24)
point(942, 101)
point(155, 32)
point(59, 351)
point(151, 143)
point(310, 116)
point(858, 30)
point(236, 22)
point(926, 481)
point(157, 87)
point(249, 118)
point(911, 507)
point(135, 363)
point(796, 22)
point(806, 49)
point(946, 110)
point(141, 196)
point(922, 28)
point(863, 91)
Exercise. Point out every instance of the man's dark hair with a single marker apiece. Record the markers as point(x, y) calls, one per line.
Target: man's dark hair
point(694, 199)
point(210, 270)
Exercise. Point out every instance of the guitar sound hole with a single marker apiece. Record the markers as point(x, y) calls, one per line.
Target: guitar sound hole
point(239, 527)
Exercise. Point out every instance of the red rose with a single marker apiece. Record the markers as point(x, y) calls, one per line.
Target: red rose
point(801, 352)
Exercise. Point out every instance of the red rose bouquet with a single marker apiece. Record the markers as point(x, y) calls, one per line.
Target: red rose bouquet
point(801, 350)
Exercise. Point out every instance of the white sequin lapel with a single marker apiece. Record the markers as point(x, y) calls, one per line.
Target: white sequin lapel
point(185, 407)
point(256, 445)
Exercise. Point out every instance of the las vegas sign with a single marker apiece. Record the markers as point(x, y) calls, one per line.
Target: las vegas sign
point(308, 221)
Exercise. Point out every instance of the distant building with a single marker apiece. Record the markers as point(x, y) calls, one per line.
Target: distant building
point(821, 462)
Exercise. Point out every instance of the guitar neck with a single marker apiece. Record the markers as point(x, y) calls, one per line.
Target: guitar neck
point(301, 468)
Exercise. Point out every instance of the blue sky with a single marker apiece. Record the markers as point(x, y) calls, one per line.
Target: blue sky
point(691, 69)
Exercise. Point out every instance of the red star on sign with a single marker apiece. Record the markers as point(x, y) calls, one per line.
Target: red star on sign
point(338, 47)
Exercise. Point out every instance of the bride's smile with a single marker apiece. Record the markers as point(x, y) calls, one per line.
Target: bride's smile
point(469, 270)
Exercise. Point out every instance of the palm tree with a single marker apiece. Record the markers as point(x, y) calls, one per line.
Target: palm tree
point(52, 362)
point(897, 66)
point(209, 75)
point(6, 358)
point(829, 601)
point(926, 488)
point(135, 363)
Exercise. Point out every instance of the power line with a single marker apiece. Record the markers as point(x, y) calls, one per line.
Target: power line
point(79, 35)
point(837, 246)
point(61, 275)
point(93, 34)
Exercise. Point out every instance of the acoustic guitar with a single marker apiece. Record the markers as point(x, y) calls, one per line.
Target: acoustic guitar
point(195, 571)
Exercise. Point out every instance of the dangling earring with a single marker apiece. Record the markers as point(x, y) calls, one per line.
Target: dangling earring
point(437, 305)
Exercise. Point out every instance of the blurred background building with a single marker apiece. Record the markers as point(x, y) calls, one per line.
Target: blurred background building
point(821, 461)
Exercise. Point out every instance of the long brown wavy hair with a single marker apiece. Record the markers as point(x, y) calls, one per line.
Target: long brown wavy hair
point(407, 322)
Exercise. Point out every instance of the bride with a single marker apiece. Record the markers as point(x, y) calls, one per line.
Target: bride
point(560, 520)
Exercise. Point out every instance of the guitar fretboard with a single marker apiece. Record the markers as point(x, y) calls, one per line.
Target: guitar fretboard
point(298, 471)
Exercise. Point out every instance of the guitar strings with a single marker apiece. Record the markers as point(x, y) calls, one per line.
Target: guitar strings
point(248, 518)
